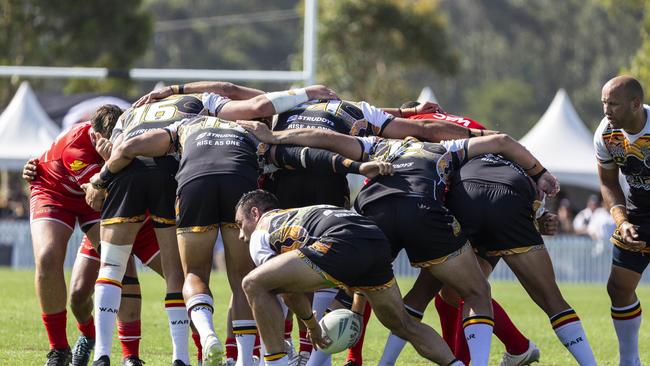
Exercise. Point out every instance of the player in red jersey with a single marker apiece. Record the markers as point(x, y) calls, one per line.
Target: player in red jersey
point(57, 203)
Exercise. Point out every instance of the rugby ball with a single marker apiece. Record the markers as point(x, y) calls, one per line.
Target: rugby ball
point(343, 327)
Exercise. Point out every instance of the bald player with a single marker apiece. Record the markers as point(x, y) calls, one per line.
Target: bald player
point(622, 143)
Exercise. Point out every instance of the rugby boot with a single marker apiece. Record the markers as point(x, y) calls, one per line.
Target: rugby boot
point(81, 351)
point(179, 363)
point(59, 357)
point(213, 354)
point(531, 355)
point(351, 363)
point(103, 361)
point(132, 361)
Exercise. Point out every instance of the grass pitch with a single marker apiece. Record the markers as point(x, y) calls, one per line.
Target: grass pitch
point(23, 340)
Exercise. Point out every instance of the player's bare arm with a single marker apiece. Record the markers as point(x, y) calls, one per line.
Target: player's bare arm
point(426, 107)
point(345, 145)
point(227, 89)
point(431, 130)
point(513, 150)
point(271, 103)
point(614, 199)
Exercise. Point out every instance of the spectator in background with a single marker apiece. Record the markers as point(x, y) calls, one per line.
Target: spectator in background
point(600, 229)
point(565, 216)
point(582, 219)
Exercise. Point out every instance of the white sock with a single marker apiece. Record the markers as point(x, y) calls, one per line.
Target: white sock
point(569, 330)
point(179, 329)
point(319, 358)
point(627, 321)
point(478, 333)
point(200, 308)
point(107, 302)
point(244, 331)
point(392, 349)
point(322, 300)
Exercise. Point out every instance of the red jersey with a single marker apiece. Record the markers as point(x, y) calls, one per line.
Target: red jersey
point(69, 163)
point(463, 121)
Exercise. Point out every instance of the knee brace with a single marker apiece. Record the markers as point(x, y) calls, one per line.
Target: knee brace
point(114, 259)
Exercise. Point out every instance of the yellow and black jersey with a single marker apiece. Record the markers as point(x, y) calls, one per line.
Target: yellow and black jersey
point(615, 148)
point(421, 168)
point(210, 145)
point(348, 118)
point(135, 121)
point(297, 227)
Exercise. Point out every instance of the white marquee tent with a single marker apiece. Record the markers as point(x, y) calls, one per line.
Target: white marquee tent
point(564, 145)
point(25, 130)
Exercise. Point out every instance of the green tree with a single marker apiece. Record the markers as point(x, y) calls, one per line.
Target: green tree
point(103, 33)
point(368, 49)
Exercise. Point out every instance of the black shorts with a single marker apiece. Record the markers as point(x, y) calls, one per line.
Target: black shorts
point(422, 226)
point(206, 202)
point(358, 264)
point(633, 260)
point(139, 189)
point(300, 189)
point(497, 219)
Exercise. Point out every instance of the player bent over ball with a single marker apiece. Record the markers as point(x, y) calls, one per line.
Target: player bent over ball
point(305, 249)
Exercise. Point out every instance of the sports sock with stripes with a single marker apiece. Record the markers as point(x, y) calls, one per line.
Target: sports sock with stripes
point(129, 334)
point(448, 315)
point(197, 342)
point(478, 334)
point(231, 348)
point(627, 321)
point(200, 309)
point(568, 329)
point(277, 359)
point(179, 326)
point(244, 331)
point(107, 302)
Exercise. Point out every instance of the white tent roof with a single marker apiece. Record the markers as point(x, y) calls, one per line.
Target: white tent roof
point(427, 95)
point(25, 129)
point(564, 145)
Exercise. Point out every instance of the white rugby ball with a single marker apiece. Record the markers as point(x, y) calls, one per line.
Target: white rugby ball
point(343, 327)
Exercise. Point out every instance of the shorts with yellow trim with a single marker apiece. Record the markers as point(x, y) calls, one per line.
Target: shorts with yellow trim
point(630, 258)
point(140, 189)
point(357, 264)
point(422, 226)
point(208, 201)
point(497, 219)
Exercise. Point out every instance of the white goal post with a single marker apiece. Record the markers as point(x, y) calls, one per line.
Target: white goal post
point(307, 75)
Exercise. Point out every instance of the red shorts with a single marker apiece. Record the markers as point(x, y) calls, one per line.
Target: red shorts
point(145, 246)
point(48, 206)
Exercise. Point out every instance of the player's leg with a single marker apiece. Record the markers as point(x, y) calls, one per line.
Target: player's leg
point(534, 270)
point(389, 309)
point(116, 245)
point(49, 240)
point(461, 271)
point(415, 302)
point(129, 327)
point(285, 273)
point(625, 275)
point(238, 265)
point(82, 285)
point(196, 257)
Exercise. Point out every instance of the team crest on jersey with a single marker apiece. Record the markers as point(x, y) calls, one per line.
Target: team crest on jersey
point(444, 167)
point(359, 128)
point(78, 165)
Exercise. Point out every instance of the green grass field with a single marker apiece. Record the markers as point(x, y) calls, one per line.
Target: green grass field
point(23, 340)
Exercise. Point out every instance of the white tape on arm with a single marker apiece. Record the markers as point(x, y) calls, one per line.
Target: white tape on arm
point(285, 100)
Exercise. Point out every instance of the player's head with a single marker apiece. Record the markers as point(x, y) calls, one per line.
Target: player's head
point(105, 119)
point(250, 208)
point(622, 99)
point(410, 104)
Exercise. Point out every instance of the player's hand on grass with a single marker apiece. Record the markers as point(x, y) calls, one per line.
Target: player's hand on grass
point(29, 170)
point(154, 96)
point(548, 223)
point(630, 236)
point(103, 146)
point(320, 92)
point(372, 169)
point(259, 130)
point(94, 197)
point(548, 184)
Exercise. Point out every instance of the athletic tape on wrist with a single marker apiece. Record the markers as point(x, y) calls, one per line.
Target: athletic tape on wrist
point(284, 100)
